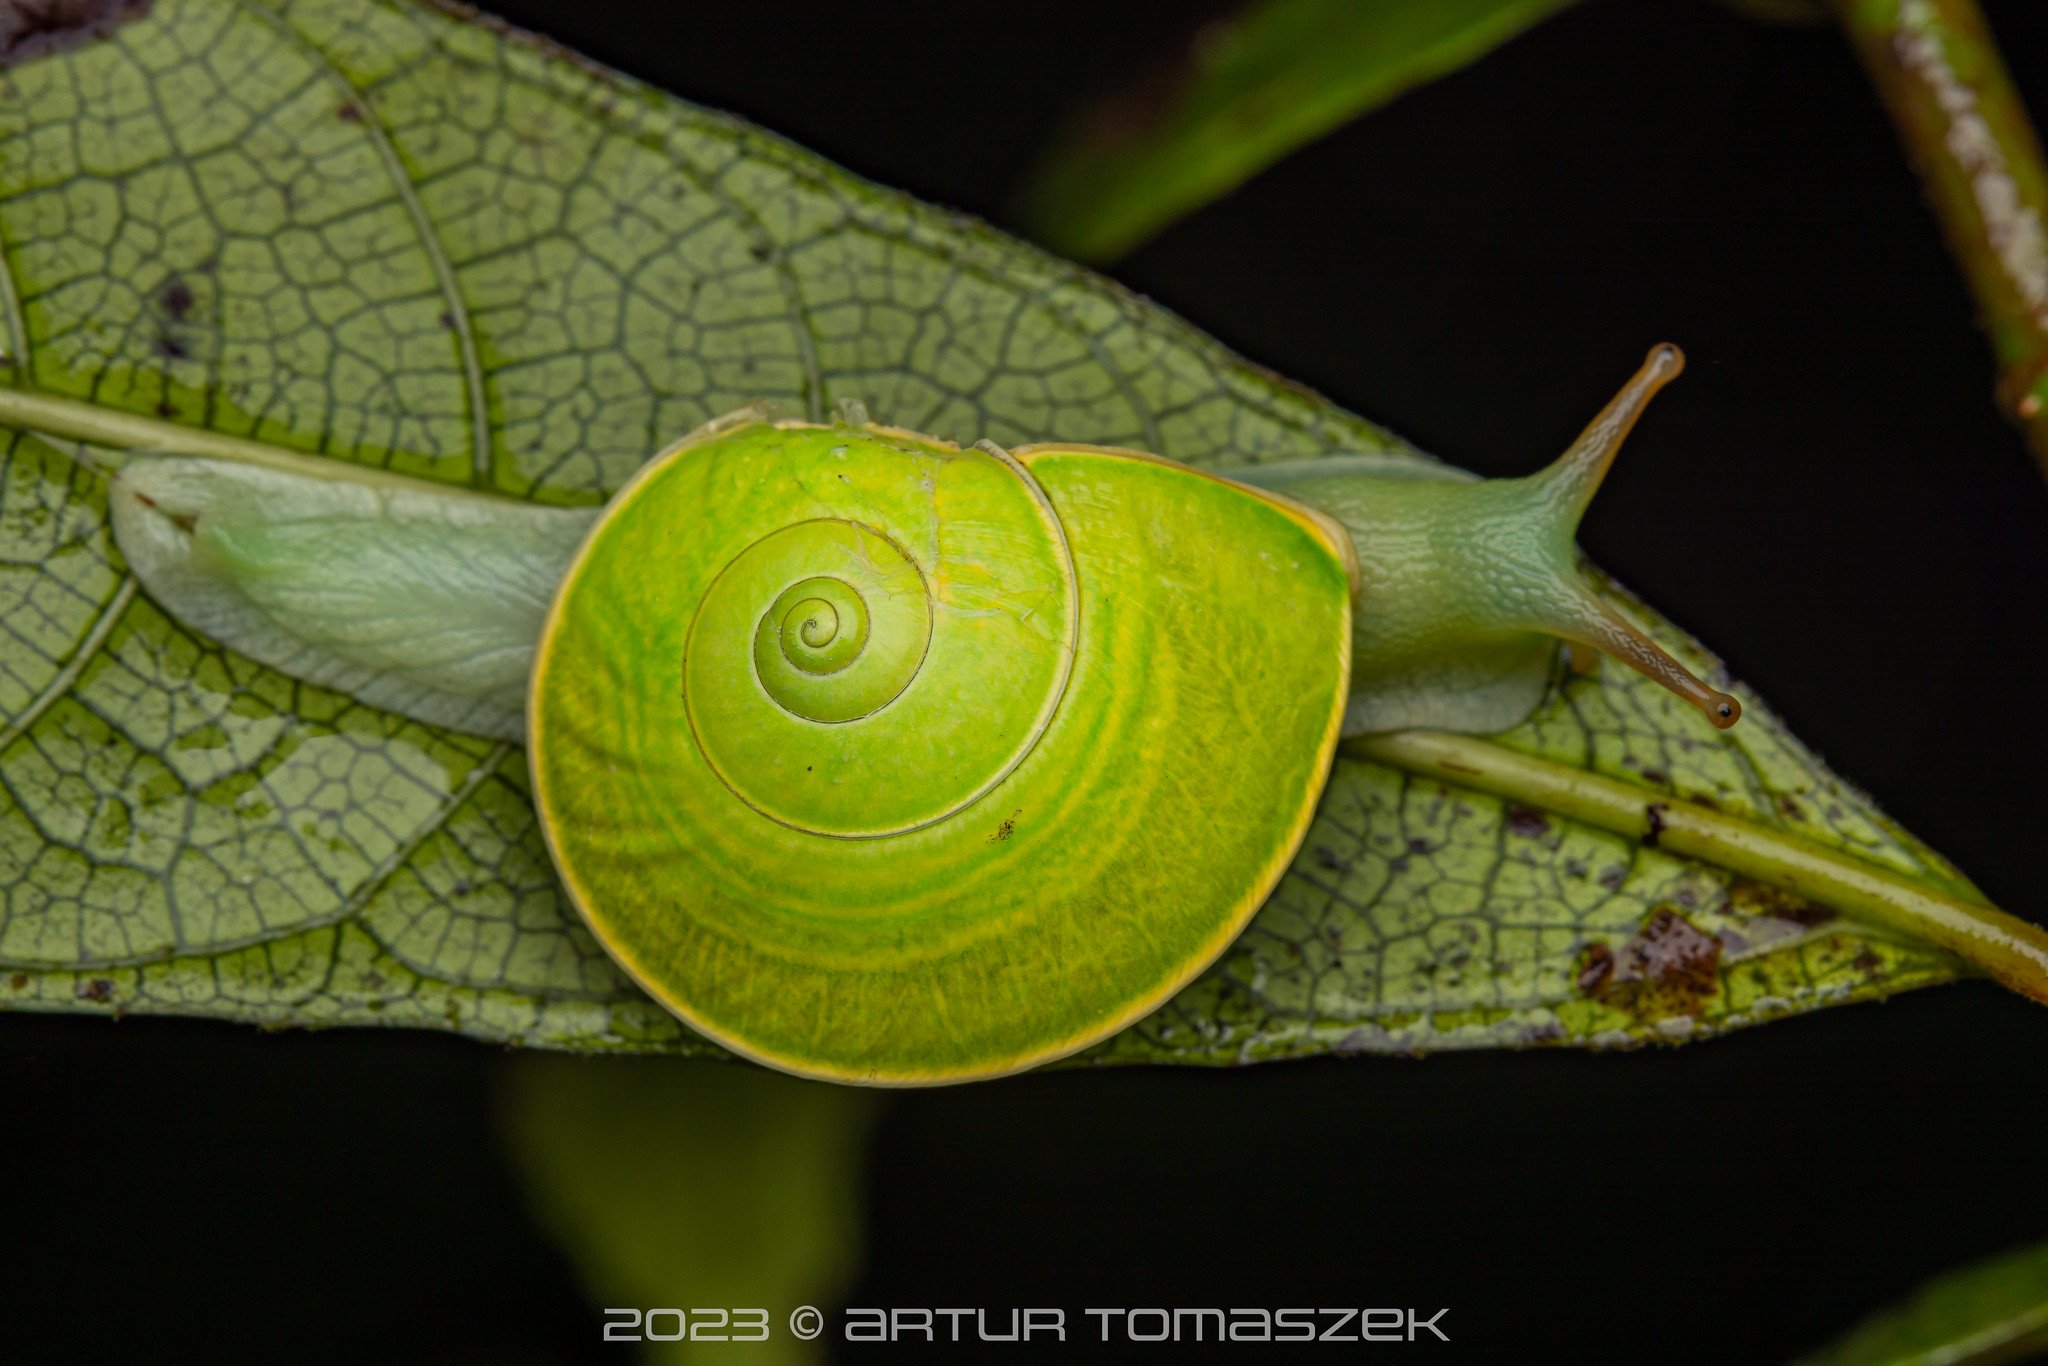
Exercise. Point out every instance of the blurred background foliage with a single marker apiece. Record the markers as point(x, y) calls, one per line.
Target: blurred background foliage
point(1257, 81)
point(686, 1183)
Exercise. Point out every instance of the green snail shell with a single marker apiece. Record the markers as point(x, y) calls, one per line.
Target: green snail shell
point(882, 760)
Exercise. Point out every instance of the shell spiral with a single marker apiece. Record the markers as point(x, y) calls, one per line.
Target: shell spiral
point(882, 760)
point(806, 644)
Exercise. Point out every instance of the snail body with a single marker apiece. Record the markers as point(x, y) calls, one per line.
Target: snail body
point(883, 760)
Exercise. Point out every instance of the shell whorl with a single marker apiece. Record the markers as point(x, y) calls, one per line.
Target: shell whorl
point(838, 644)
point(922, 605)
point(882, 760)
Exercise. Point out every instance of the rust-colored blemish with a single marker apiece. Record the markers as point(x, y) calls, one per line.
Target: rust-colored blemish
point(1595, 967)
point(94, 989)
point(1669, 968)
point(1527, 822)
point(1754, 898)
point(19, 981)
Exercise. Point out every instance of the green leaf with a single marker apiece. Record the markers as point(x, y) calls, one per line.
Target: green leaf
point(1989, 1312)
point(681, 1185)
point(1245, 92)
point(391, 234)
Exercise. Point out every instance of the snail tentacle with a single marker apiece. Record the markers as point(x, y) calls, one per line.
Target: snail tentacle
point(1572, 480)
point(1562, 492)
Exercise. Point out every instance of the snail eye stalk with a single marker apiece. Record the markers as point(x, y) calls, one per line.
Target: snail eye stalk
point(1563, 491)
point(1576, 476)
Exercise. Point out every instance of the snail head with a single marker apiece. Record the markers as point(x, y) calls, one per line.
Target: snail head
point(1465, 586)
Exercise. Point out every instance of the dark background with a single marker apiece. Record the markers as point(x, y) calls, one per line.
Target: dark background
point(1828, 498)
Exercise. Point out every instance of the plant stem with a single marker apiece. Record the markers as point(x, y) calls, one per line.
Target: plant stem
point(1966, 130)
point(2003, 946)
point(78, 420)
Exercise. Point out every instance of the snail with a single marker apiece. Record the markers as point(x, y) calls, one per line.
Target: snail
point(880, 759)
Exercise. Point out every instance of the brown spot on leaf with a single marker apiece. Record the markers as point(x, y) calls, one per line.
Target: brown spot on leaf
point(1669, 968)
point(94, 989)
point(19, 981)
point(1331, 859)
point(1006, 829)
point(176, 297)
point(31, 28)
point(1527, 822)
point(1595, 967)
point(1754, 898)
point(1655, 828)
point(170, 348)
point(350, 112)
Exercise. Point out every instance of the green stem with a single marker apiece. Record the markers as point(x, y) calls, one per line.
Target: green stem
point(1966, 130)
point(77, 420)
point(2007, 948)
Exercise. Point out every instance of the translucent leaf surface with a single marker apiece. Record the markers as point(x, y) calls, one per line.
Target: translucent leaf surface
point(396, 235)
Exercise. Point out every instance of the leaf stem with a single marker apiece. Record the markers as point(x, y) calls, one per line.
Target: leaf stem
point(1966, 130)
point(78, 420)
point(2007, 948)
